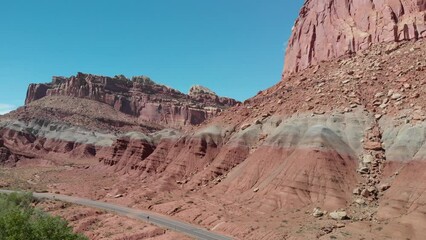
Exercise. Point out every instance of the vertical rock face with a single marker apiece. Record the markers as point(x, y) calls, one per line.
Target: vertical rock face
point(139, 96)
point(35, 92)
point(327, 29)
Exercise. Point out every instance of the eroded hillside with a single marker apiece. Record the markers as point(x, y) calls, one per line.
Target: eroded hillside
point(334, 151)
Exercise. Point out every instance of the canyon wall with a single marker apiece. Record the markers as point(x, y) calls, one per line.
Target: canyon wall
point(139, 97)
point(327, 29)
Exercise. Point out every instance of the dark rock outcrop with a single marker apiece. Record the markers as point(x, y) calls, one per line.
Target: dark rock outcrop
point(5, 154)
point(327, 29)
point(140, 97)
point(8, 157)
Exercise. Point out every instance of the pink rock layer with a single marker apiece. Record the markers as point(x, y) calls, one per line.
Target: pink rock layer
point(125, 153)
point(406, 198)
point(281, 178)
point(193, 161)
point(15, 145)
point(290, 178)
point(327, 29)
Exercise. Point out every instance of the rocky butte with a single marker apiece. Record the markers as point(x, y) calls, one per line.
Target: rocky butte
point(337, 149)
point(140, 97)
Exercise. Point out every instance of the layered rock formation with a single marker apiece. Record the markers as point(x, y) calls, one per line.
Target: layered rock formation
point(43, 138)
point(127, 151)
point(346, 137)
point(139, 97)
point(288, 149)
point(62, 127)
point(327, 29)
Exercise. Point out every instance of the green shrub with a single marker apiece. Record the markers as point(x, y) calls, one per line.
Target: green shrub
point(145, 80)
point(20, 221)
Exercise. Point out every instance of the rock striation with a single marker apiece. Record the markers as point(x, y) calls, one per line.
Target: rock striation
point(327, 29)
point(140, 97)
point(127, 152)
point(346, 138)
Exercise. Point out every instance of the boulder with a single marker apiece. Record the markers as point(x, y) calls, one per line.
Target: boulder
point(317, 212)
point(384, 187)
point(339, 215)
point(356, 191)
point(360, 201)
point(371, 145)
point(367, 159)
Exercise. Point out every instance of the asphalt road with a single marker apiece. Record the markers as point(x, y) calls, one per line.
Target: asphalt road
point(146, 216)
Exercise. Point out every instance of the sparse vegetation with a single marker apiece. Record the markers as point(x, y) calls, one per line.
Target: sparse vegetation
point(20, 220)
point(121, 78)
point(143, 80)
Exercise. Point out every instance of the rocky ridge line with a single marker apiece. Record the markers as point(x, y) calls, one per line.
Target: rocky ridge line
point(139, 97)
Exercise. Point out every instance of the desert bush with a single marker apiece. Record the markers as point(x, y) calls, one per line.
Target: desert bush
point(19, 220)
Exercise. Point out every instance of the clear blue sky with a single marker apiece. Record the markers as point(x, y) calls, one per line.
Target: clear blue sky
point(234, 47)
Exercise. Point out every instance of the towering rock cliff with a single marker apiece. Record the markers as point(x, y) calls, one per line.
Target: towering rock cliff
point(327, 29)
point(349, 134)
point(139, 97)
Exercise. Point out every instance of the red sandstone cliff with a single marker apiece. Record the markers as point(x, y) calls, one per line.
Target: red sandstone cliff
point(346, 135)
point(139, 97)
point(327, 29)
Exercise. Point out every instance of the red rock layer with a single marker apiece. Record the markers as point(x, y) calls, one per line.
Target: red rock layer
point(158, 160)
point(406, 199)
point(230, 156)
point(175, 161)
point(186, 157)
point(283, 177)
point(15, 145)
point(292, 178)
point(126, 153)
point(327, 29)
point(138, 97)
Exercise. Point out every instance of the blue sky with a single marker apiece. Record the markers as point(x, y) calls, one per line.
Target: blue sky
point(234, 47)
